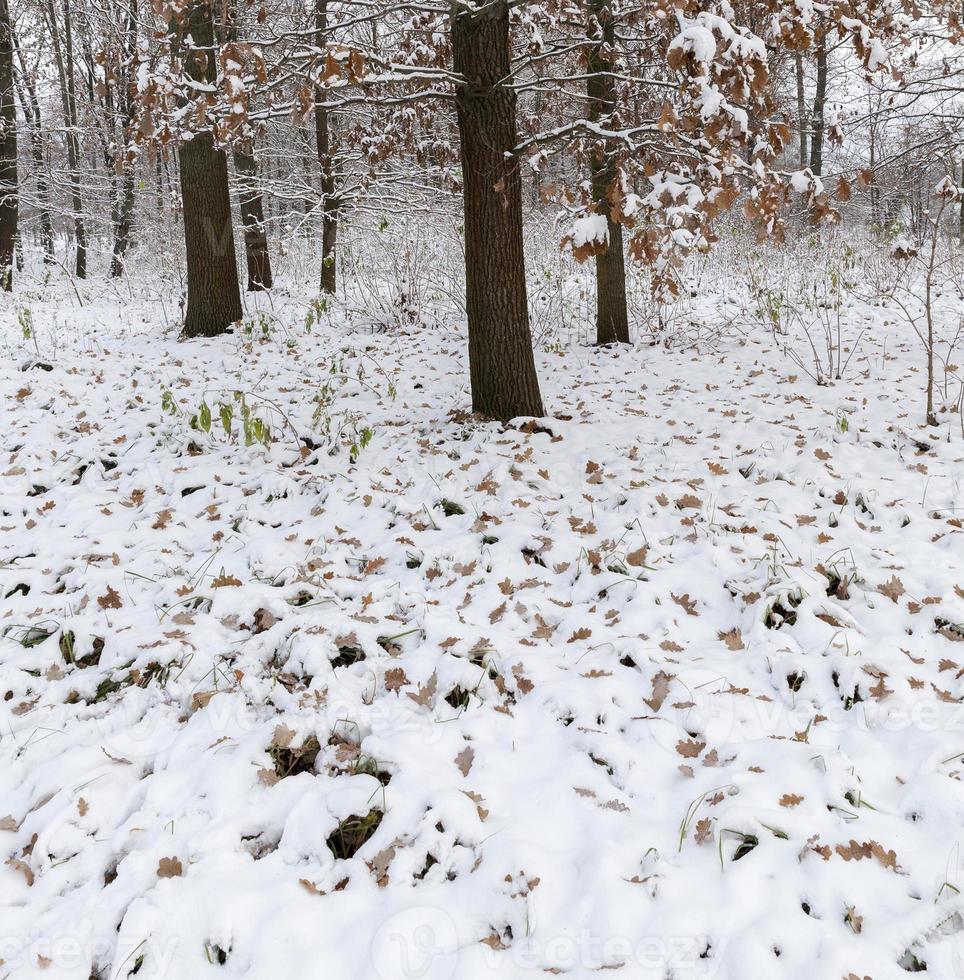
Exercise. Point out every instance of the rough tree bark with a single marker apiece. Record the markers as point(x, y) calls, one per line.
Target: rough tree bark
point(501, 362)
point(612, 319)
point(323, 145)
point(252, 218)
point(8, 153)
point(213, 292)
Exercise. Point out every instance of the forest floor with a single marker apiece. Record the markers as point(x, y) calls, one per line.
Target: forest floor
point(669, 683)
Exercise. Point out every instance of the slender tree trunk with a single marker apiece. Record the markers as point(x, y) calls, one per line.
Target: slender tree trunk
point(213, 293)
point(256, 255)
point(961, 212)
point(27, 91)
point(123, 220)
point(323, 144)
point(501, 362)
point(612, 320)
point(801, 108)
point(252, 217)
point(8, 153)
point(819, 103)
point(124, 207)
point(64, 58)
point(874, 185)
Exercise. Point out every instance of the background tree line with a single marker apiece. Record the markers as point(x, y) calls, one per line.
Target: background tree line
point(124, 126)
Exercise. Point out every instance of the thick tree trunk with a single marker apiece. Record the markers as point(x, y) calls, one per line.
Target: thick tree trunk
point(213, 293)
point(252, 218)
point(612, 319)
point(817, 116)
point(323, 144)
point(501, 362)
point(8, 153)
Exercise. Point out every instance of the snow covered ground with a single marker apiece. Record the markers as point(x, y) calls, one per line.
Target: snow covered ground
point(669, 683)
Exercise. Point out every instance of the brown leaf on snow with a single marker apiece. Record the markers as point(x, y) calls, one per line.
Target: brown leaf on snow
point(583, 633)
point(523, 683)
point(880, 690)
point(267, 777)
point(395, 679)
point(686, 602)
point(703, 833)
point(497, 614)
point(380, 862)
point(282, 736)
point(856, 922)
point(893, 588)
point(660, 684)
point(110, 600)
point(464, 759)
point(790, 799)
point(857, 851)
point(169, 868)
point(426, 692)
point(732, 638)
point(23, 868)
point(690, 748)
point(224, 580)
point(689, 501)
point(478, 800)
point(636, 559)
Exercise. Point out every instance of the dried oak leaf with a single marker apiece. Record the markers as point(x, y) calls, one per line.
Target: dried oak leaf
point(732, 638)
point(790, 799)
point(22, 867)
point(686, 602)
point(464, 759)
point(660, 684)
point(893, 588)
point(110, 600)
point(637, 559)
point(690, 748)
point(425, 692)
point(169, 867)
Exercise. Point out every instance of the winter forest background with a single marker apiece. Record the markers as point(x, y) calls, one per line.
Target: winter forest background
point(481, 489)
